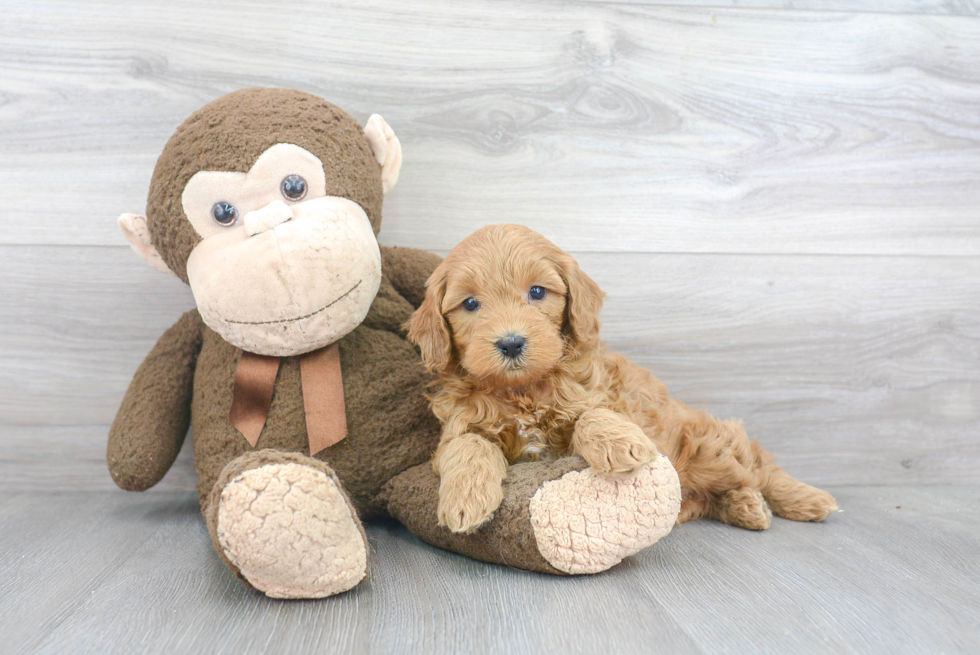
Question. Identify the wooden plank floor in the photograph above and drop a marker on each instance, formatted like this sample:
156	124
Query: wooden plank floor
897	572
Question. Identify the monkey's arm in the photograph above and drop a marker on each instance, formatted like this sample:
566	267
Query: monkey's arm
151	424
408	269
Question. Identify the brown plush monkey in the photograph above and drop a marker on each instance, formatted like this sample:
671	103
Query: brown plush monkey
305	398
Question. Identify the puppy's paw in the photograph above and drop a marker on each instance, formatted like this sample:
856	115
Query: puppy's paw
822	505
472	472
611	444
801	502
745	508
466	503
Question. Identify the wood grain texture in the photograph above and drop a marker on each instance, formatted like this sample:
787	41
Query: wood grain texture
896	572
50	458
626	127
850	369
941	7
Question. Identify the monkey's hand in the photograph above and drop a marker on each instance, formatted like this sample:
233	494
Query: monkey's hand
152	422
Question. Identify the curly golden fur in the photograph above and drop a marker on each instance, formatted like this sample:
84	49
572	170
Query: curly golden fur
554	390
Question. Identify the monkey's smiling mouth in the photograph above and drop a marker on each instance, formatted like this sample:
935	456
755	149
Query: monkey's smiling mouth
300	318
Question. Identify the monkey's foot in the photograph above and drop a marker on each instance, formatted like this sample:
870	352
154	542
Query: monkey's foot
584	522
291	532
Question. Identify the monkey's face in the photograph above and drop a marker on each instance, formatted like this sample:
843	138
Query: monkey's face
268	202
281	265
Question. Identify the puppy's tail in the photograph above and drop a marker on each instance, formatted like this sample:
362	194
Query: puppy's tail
787	496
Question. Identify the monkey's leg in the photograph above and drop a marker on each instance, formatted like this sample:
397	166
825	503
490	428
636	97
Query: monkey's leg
557	517
283	523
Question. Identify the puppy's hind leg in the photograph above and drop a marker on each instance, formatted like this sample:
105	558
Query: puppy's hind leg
694	506
744	508
717	466
787	496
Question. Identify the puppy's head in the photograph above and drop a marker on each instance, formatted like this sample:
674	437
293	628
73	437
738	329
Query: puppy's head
506	305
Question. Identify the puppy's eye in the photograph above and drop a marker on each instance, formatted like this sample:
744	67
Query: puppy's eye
471	304
224	214
537	293
293	187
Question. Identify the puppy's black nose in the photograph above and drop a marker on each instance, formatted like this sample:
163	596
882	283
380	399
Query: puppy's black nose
511	346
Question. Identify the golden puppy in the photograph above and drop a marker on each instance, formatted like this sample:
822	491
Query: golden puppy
511	324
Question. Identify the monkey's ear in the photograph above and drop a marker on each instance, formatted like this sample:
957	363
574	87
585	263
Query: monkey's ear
386	148
137	232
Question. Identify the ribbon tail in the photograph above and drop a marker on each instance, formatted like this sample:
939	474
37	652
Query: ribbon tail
323	397
255	379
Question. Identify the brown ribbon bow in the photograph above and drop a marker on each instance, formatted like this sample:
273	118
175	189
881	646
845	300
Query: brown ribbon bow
323	396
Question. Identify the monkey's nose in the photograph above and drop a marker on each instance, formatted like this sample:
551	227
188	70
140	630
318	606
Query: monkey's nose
511	346
268	217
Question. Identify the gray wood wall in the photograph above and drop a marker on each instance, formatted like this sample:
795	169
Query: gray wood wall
781	198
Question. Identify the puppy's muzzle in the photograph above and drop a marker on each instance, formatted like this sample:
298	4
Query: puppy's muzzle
512	346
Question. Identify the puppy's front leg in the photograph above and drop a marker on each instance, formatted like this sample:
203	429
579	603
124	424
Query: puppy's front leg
472	472
611	443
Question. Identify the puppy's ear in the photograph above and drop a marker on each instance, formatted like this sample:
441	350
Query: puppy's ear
583	303
427	328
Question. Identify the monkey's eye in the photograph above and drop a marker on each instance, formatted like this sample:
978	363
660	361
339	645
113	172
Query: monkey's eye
537	293
224	214
293	187
471	304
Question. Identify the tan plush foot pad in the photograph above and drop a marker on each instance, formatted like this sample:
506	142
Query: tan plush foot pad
290	532
586	523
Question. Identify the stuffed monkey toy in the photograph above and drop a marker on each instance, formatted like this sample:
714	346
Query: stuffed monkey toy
307	402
